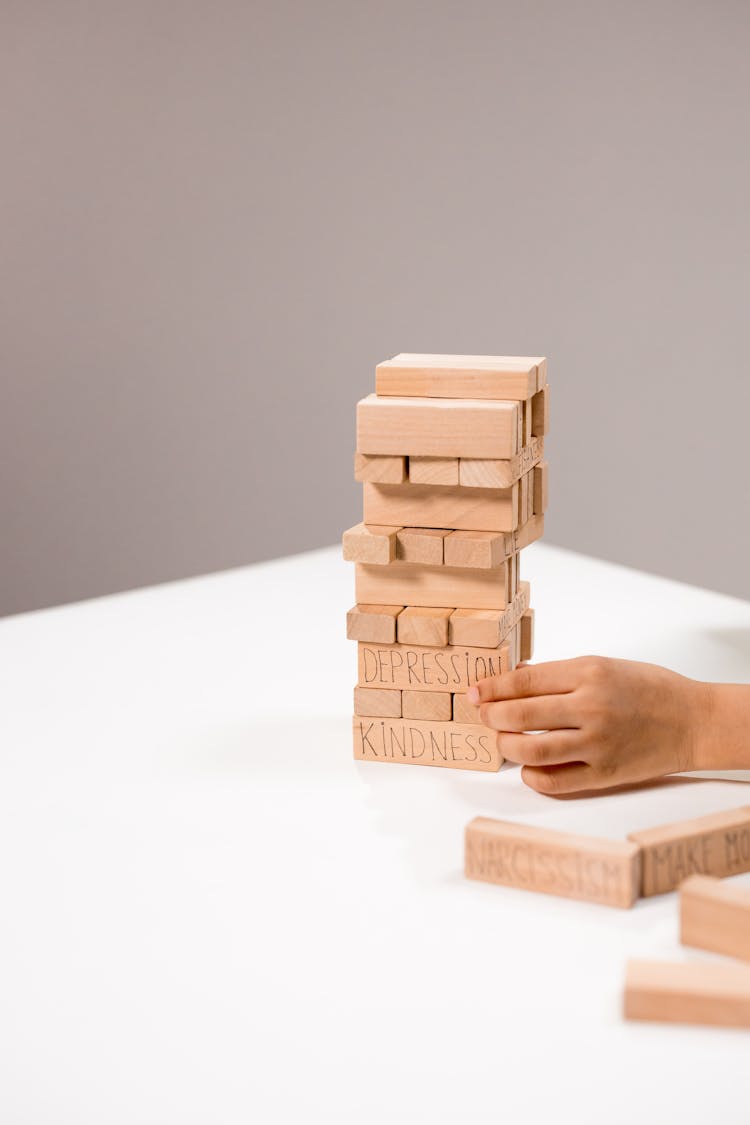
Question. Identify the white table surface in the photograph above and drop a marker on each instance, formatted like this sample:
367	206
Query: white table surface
210	913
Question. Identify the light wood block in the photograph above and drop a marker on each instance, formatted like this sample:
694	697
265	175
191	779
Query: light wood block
715	915
422	668
541	373
381	703
383	470
717	844
483	473
375	624
527	636
459	376
424	505
532	530
482	628
421	545
370	543
527	416
465	712
435	427
433	706
540	412
556	863
478	550
412	584
717	995
423	625
419	743
541	488
433	470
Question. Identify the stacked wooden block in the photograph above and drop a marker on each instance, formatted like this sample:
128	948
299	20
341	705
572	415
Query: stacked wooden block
450	453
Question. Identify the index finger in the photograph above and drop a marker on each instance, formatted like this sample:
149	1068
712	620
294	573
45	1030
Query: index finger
553	678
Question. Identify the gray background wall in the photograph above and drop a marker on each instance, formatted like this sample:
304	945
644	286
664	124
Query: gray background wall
218	216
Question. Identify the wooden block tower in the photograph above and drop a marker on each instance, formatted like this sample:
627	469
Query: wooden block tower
450	452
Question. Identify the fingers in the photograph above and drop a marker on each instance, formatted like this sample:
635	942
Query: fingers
543	712
555	781
539	750
555	677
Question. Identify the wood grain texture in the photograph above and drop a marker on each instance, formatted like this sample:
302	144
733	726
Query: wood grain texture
419	743
373	623
424	668
459	376
715	915
714	994
557	863
434	706
410	584
382	703
433	470
386	470
421	545
423	505
478	550
423	625
423	427
540	412
370	543
483	473
465	712
541	488
527	636
717	844
481	628
532	530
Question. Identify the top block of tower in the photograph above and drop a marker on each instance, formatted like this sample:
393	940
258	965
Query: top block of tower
461	376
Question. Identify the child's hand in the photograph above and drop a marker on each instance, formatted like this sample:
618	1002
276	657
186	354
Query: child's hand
603	722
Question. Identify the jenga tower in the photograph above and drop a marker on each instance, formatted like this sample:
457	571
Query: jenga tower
450	452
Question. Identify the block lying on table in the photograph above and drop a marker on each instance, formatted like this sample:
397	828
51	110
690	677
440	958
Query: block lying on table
373	623
424	505
424	668
715	915
557	863
460	376
388	470
701	992
488	628
423	427
413	585
717	844
418	743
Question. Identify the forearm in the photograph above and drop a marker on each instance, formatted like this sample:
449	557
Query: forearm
723	741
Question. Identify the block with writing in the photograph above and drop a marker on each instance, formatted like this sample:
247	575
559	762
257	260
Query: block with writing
421	668
419	743
717	844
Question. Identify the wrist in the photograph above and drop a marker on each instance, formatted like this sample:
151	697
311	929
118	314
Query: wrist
703	726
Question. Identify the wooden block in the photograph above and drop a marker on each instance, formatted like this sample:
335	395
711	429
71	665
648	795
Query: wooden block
423	625
479	550
541	488
375	624
421	545
433	470
370	543
714	994
483	473
717	844
527	635
482	628
532	530
424	505
540	412
556	863
421	668
465	712
459	376
383	470
437	427
381	703
420	743
541	373
412	584
433	706
527	415
715	915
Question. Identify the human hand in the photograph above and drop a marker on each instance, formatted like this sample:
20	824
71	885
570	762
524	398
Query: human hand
602	722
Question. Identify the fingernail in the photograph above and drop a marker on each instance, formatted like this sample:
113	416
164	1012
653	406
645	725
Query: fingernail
472	695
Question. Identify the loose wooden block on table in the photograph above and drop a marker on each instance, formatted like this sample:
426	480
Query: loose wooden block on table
540	412
425	668
433	470
413	585
541	487
382	703
557	863
370	543
463	711
484	473
435	706
717	844
424	625
424	505
423	427
482	628
419	743
375	624
717	995
527	636
386	470
715	915
460	376
421	545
